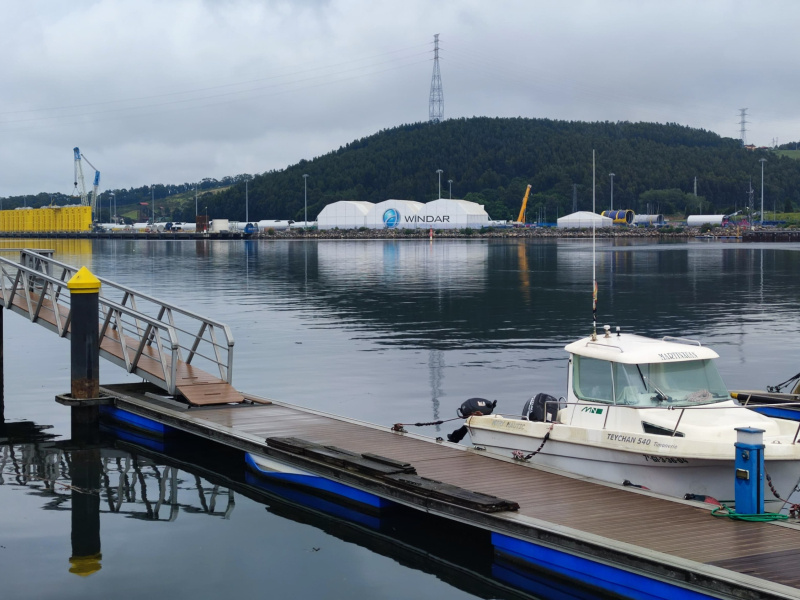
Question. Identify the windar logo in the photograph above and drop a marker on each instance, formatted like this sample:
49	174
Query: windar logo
428	219
391	218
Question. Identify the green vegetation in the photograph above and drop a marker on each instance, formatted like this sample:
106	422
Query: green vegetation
492	160
795	154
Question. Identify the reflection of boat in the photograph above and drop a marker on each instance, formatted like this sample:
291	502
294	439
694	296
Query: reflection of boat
653	412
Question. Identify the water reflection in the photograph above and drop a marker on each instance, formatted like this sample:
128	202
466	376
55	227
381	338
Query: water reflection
164	481
368	329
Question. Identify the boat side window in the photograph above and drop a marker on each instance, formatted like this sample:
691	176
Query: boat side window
591	379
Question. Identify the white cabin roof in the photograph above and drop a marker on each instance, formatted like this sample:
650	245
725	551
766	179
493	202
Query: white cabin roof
637	350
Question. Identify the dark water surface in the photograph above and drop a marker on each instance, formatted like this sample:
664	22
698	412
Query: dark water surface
378	330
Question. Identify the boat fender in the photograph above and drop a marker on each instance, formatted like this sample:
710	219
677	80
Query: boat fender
476	406
473	406
542	408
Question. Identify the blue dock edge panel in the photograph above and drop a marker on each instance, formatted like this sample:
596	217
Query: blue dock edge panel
137	421
777	412
320	483
598	575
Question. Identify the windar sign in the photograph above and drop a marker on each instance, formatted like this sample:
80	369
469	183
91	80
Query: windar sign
438	214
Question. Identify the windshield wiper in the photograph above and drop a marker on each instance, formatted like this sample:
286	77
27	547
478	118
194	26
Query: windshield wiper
661	396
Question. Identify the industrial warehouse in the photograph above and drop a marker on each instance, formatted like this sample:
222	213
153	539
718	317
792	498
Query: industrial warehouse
403	214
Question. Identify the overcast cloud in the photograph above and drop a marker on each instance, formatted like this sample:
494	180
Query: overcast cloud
174	91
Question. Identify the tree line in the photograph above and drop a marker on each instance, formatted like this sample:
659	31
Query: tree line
492	160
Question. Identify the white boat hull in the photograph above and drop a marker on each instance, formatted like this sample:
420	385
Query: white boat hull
668	475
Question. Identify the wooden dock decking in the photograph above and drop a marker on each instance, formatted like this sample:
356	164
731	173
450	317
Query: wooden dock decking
666	539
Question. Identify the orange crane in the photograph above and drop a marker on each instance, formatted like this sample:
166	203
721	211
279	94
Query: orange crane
521	218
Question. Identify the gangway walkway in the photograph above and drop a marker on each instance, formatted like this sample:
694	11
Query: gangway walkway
153	339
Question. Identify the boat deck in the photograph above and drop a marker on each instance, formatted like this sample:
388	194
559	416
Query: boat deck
668	539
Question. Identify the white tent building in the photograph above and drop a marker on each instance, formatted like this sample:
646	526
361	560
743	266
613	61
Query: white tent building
584	219
345	214
403	214
451	214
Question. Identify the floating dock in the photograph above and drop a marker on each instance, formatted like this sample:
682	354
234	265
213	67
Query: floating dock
608	537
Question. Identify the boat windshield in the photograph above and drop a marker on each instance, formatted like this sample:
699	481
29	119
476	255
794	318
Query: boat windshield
687	383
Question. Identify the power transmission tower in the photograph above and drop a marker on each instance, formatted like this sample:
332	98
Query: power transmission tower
436	101
574	197
742	129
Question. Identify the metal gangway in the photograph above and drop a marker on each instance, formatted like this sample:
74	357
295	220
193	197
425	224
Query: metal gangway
155	340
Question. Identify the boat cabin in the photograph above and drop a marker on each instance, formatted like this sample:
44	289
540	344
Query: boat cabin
639	372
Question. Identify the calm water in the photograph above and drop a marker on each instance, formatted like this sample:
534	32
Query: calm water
379	330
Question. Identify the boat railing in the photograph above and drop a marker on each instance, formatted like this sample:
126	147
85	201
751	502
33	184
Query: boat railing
680	340
561	403
605	346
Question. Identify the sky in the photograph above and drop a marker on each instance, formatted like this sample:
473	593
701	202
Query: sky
173	91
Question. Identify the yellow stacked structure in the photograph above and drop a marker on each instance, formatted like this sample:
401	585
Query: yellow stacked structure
51	219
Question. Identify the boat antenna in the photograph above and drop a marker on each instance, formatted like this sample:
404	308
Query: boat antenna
594	268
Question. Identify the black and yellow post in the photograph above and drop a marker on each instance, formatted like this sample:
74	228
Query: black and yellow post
84	401
85	469
84	290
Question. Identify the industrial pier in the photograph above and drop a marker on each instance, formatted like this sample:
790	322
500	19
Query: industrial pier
129	235
605	538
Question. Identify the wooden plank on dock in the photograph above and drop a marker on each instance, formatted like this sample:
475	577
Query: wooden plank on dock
452	493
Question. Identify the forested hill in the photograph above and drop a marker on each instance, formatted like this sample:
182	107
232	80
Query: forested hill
491	160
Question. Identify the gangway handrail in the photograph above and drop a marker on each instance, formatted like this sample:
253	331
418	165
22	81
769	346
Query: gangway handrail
35	286
139	294
130	296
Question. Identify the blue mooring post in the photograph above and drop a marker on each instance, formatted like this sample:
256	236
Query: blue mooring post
749	486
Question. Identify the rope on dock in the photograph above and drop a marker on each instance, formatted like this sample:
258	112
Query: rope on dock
400	426
725	511
518	455
794	509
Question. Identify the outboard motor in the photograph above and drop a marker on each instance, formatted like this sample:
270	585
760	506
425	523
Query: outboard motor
473	406
542	407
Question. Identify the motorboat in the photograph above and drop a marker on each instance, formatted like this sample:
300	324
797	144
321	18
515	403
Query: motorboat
652	413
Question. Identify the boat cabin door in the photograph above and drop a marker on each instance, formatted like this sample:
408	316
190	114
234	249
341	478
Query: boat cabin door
591	385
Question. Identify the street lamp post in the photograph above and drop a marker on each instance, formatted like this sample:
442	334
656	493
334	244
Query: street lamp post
195	203
450	182
153	203
305	199
762	161
113	195
246	204
439	171
612	190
